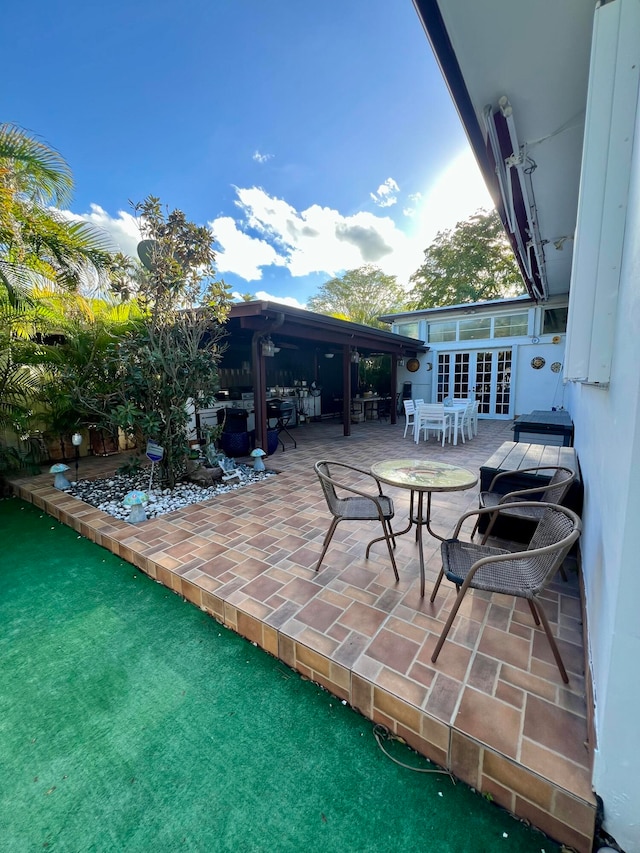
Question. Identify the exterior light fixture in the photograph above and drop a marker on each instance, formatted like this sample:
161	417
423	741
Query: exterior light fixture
268	349
355	357
76	440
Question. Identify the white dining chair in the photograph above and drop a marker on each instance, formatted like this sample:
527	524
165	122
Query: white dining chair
461	423
475	408
409	415
432	417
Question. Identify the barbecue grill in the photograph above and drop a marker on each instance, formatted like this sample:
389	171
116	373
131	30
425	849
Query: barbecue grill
279	414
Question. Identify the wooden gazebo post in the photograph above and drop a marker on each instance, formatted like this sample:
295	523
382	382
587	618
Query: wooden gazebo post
346	390
259	376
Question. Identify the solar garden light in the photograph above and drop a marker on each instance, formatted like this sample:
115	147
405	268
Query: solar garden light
76	440
60	481
258	454
136	500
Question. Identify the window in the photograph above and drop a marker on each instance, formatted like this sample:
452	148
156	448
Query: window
554	321
475	328
409	330
439	332
512	324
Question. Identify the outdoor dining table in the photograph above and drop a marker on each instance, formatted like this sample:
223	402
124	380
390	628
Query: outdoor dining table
455	409
422	476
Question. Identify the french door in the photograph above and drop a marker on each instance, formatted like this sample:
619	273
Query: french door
485	374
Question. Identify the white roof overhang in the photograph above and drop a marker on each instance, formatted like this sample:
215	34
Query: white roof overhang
518	74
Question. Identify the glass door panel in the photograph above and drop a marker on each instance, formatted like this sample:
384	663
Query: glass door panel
461	375
503	382
444	376
484	361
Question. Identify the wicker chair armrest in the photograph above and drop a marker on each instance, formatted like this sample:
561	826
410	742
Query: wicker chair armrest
492	510
472	512
360	492
355	468
375	499
526	554
534	489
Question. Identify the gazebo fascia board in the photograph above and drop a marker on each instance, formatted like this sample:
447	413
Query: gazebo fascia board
299	323
264	318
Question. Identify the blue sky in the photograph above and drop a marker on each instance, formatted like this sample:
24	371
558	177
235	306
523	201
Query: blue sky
312	138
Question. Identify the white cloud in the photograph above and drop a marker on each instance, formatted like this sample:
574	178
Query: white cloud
261	158
268	297
386	194
315	240
415	199
122	229
269	232
239	253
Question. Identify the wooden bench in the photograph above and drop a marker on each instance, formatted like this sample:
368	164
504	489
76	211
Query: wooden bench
516	455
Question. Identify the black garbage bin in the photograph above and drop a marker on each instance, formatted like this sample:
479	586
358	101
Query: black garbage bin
235	439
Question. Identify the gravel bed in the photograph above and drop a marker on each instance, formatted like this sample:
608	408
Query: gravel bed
108	494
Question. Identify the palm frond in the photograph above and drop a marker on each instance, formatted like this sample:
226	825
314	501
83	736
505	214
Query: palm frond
35	170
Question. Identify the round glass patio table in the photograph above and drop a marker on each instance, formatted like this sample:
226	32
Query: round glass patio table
422	476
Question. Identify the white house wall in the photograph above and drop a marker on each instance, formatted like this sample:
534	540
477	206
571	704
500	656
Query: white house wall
530	388
538	389
607	439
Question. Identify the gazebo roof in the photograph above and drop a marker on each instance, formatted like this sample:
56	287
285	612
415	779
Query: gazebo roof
283	321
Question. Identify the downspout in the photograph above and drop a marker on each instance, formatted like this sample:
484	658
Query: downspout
394	388
346	389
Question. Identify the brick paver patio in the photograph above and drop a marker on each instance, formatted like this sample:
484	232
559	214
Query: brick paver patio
493	709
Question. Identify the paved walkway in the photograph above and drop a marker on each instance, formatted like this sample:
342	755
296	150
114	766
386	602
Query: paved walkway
493	709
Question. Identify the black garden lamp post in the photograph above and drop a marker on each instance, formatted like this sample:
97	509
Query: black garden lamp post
76	440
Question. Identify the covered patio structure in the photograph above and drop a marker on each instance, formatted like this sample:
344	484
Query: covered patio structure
297	345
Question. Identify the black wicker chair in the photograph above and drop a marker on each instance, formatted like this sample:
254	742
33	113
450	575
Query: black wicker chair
523	574
349	502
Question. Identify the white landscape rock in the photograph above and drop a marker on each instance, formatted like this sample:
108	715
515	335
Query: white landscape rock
107	495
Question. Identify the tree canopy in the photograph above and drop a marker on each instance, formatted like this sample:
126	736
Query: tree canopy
361	296
36	241
171	354
469	263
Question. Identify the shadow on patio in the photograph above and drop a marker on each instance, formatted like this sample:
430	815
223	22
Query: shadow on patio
493	709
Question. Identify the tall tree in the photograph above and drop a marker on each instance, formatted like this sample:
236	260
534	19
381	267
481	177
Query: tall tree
39	251
171	354
469	263
36	242
360	295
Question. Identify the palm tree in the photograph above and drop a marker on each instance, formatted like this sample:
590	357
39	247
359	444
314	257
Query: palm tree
36	241
41	254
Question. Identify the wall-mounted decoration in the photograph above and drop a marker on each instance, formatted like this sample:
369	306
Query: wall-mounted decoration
537	362
412	365
556	339
556	367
